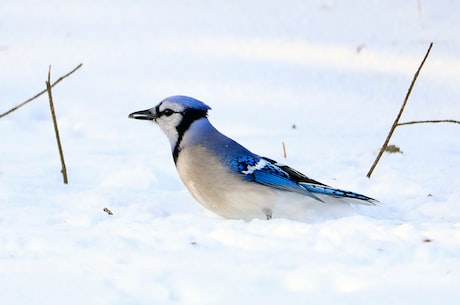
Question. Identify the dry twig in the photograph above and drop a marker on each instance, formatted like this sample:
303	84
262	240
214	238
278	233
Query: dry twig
428	121
56	130
108	211
40	93
395	124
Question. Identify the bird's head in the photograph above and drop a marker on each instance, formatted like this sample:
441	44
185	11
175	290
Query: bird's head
174	115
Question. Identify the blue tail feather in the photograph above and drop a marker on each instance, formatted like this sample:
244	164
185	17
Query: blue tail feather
326	190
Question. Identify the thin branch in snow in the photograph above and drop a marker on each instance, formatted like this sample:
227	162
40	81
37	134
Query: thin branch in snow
108	211
41	92
428	121
395	123
56	130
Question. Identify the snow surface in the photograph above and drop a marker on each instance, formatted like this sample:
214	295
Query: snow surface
337	70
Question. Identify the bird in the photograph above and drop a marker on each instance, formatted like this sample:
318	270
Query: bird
231	181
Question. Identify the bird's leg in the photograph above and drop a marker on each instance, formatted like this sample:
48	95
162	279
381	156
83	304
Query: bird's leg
268	213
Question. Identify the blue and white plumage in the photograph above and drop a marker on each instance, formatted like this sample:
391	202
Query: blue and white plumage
228	179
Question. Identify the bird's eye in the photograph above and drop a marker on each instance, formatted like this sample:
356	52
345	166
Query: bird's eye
167	112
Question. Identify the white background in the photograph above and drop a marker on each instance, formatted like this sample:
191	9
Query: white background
337	70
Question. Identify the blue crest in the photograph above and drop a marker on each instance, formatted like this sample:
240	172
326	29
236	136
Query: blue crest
188	102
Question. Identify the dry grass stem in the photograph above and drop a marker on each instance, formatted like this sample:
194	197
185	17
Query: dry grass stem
428	121
56	130
395	123
284	150
40	93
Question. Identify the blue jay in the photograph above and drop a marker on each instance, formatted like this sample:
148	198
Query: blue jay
227	178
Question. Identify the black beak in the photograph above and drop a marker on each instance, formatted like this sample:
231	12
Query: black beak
143	115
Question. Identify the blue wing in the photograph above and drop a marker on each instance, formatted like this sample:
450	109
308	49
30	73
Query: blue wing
268	172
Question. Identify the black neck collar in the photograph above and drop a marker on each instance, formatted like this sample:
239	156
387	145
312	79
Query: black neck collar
189	116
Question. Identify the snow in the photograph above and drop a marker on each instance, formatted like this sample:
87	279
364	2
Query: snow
337	70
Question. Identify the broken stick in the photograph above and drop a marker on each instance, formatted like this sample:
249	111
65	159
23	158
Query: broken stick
395	124
41	92
56	130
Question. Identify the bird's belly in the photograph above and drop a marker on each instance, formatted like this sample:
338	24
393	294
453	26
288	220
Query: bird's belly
219	190
228	195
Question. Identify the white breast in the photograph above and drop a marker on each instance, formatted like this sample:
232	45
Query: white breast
226	194
220	191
